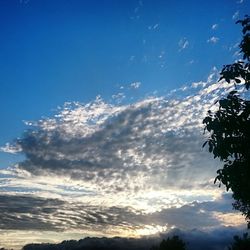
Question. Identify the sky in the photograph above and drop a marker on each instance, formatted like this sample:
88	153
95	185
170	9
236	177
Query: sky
102	105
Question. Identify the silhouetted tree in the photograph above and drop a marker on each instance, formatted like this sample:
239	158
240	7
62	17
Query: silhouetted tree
174	243
229	128
240	243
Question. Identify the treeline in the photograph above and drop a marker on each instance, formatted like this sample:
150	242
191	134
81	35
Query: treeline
88	243
170	243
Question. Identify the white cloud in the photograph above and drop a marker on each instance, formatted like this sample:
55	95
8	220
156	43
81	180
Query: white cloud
118	166
119	97
162	54
237	54
135	85
191	62
214	26
125	148
213	40
12	149
153	27
183	44
236	15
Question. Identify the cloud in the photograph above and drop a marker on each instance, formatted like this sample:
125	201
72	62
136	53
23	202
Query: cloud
153	144
119	97
202	215
162	54
153	27
236	15
191	62
135	85
10	149
213	40
36	213
26	212
118	148
214	26
237	54
107	169
183	44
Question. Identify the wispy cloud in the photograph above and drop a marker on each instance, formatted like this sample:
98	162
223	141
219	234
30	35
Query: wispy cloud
213	40
135	85
214	26
236	15
118	97
8	148
153	27
36	213
183	44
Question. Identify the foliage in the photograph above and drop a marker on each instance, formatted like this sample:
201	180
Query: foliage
174	243
229	129
240	243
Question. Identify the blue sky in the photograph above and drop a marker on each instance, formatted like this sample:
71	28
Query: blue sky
58	51
137	78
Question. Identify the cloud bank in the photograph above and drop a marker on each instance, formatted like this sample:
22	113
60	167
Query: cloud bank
22	212
118	169
154	142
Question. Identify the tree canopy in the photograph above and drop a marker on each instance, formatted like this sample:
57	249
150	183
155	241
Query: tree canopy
240	243
229	128
173	243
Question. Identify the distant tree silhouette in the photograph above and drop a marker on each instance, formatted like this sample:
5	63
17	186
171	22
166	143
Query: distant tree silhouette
174	243
229	128
240	243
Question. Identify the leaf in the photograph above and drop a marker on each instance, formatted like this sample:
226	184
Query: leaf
204	144
210	149
233	92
